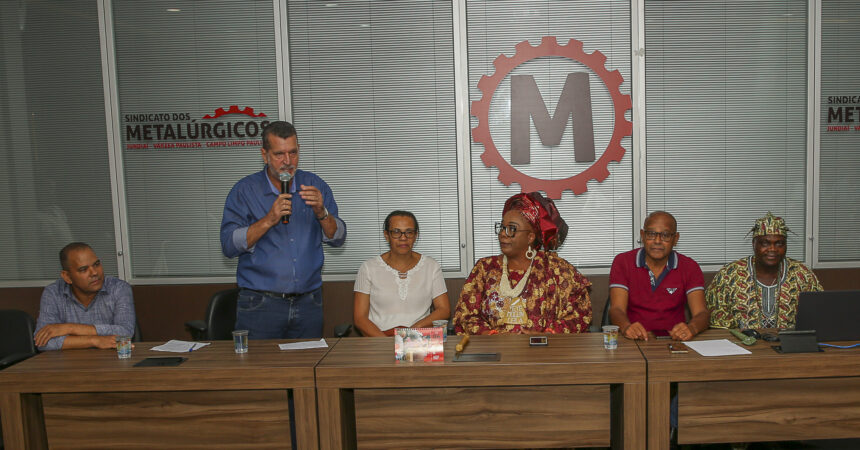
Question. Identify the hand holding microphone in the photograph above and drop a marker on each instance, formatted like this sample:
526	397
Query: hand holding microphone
285	178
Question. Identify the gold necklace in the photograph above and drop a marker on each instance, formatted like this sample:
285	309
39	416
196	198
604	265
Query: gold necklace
514	309
505	288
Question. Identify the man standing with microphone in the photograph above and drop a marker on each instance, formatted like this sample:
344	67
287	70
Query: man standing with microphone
275	221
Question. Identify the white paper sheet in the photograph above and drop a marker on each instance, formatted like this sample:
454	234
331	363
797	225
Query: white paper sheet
717	347
180	346
303	345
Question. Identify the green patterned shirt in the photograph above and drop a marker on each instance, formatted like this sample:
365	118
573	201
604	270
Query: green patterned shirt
734	297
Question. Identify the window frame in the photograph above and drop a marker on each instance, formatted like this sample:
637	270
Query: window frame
463	140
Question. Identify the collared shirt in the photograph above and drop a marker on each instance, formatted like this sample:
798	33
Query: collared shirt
671	263
656	302
110	312
288	258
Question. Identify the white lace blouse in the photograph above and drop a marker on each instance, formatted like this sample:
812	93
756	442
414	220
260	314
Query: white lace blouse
395	302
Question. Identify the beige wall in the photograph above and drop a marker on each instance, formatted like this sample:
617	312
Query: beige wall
163	310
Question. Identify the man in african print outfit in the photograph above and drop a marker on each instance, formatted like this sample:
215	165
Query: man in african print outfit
761	290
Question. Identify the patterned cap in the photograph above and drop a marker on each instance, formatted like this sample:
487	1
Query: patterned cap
769	224
542	215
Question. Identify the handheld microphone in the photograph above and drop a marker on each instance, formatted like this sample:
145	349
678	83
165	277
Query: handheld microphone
285	188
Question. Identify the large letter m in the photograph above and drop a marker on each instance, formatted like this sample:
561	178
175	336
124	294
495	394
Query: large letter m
526	102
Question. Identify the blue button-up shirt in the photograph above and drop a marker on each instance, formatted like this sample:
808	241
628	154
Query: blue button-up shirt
289	257
110	312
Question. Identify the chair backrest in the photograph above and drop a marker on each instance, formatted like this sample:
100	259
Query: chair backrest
596	326
221	315
605	319
137	337
16	332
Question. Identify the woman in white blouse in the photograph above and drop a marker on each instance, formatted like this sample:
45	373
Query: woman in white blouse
400	288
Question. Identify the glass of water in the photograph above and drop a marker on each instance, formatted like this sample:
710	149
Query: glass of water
240	341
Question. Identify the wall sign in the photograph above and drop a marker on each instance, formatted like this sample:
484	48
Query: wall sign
843	113
231	127
574	100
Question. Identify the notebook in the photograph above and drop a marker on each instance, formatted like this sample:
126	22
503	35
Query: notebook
832	314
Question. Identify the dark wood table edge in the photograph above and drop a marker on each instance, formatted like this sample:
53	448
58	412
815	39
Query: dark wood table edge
23	420
662	372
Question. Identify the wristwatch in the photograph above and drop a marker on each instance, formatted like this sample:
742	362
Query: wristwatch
324	215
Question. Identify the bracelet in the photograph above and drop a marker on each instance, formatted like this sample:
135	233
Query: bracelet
324	215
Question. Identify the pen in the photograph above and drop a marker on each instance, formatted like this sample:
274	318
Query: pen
192	347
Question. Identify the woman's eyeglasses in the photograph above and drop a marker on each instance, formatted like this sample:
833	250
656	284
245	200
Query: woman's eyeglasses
510	229
396	233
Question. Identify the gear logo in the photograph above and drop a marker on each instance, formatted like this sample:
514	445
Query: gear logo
596	63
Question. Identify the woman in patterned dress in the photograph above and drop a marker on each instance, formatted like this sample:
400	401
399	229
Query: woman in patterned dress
528	288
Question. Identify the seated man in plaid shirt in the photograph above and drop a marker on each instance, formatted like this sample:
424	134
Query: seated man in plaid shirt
83	308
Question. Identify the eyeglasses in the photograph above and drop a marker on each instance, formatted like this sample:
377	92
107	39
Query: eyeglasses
510	230
652	235
396	233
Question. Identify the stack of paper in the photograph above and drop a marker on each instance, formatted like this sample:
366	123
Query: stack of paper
303	345
717	347
180	346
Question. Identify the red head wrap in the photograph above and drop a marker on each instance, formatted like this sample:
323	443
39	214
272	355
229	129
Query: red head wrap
543	216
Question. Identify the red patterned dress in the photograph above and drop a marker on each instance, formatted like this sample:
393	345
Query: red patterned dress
556	298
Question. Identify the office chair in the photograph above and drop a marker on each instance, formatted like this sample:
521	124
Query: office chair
16	340
342	330
220	318
137	337
605	319
597	327
16	337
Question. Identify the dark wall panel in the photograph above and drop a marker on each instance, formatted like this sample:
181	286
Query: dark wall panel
163	309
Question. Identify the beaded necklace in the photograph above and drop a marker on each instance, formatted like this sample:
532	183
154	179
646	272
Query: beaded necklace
514	310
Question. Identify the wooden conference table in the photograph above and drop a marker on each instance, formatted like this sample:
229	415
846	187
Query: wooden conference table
215	399
569	393
765	396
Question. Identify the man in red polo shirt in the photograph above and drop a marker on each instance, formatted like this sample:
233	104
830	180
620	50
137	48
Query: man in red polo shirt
649	286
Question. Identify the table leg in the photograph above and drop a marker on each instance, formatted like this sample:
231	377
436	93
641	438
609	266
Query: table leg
307	435
659	397
23	422
336	418
628	416
635	422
